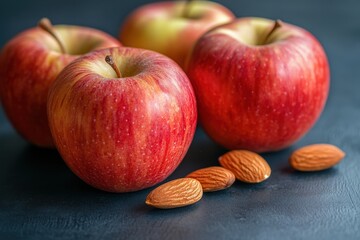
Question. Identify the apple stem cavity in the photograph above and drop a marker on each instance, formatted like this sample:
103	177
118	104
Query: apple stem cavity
109	59
185	13
277	24
46	25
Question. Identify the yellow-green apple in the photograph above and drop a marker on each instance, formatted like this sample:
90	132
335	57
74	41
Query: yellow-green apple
30	62
260	85
125	129
172	27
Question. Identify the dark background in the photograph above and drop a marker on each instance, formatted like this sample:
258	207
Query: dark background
41	199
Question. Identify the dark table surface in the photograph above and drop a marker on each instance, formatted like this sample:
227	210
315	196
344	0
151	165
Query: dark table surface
41	199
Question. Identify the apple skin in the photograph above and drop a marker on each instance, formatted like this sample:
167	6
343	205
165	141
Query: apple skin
162	28
29	63
128	133
255	96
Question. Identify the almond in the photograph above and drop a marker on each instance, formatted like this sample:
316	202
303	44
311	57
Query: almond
213	178
176	193
247	166
316	157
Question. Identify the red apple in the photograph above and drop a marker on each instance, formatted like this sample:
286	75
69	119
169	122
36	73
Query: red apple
260	85
30	62
172	27
127	131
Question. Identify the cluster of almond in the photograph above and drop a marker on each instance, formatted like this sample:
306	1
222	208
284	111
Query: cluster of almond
245	166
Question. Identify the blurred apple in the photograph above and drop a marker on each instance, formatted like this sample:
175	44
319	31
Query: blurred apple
172	27
126	128
30	62
260	84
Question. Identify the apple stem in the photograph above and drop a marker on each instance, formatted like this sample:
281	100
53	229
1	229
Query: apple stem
46	25
109	59
277	24
186	10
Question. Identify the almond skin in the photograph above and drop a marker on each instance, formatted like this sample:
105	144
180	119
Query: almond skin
213	178
316	157
176	193
247	166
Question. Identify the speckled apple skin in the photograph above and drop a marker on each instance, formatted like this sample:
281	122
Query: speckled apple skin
122	134
29	63
258	97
